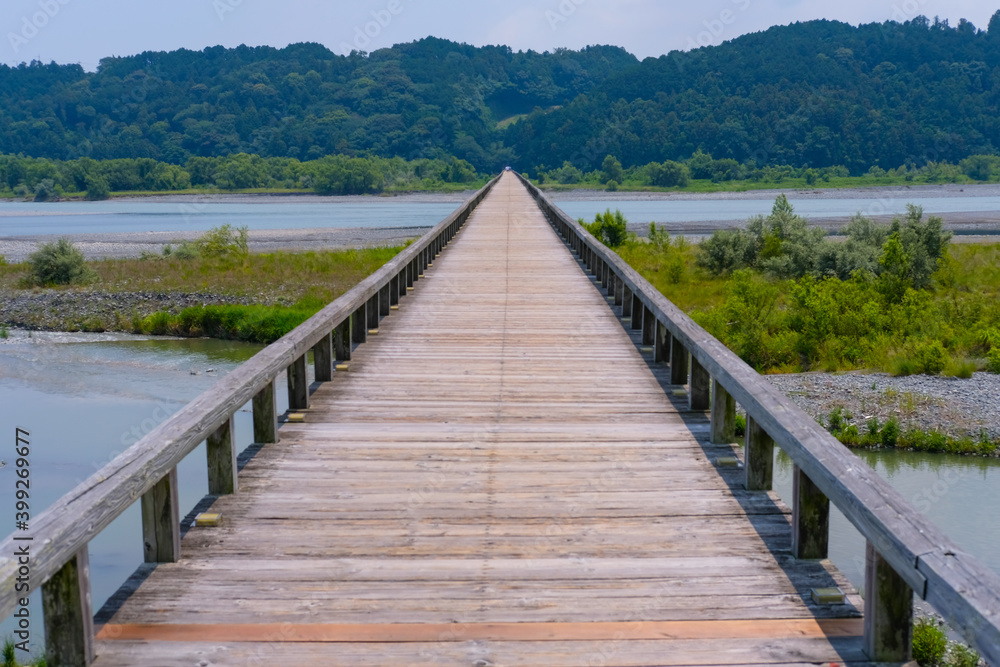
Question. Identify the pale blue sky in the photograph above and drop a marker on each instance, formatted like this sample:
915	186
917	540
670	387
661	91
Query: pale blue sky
83	31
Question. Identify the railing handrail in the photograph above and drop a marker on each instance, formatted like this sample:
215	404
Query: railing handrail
963	590
76	518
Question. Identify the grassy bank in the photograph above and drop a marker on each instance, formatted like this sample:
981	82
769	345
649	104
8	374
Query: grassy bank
794	325
278	291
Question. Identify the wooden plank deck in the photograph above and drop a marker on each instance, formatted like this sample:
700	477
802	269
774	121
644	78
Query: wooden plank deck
500	479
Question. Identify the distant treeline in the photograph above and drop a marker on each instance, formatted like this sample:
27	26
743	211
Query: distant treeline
702	166
43	179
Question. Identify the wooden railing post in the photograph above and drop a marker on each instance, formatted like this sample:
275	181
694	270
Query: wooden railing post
161	521
619	292
401	285
678	362
265	415
342	340
323	358
612	285
626	302
385	300
700	386
298	385
410	277
373	312
661	345
810	518
888	611
359	324
758	458
648	327
723	415
68	614
223	477
394	291
605	275
637	312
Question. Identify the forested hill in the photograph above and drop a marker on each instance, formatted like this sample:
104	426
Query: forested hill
818	94
813	94
422	99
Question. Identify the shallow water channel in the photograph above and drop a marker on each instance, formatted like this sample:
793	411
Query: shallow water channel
84	398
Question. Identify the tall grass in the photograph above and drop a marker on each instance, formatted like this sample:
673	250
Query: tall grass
953	327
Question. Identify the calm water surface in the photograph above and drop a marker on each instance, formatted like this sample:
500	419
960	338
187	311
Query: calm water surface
23	218
86	397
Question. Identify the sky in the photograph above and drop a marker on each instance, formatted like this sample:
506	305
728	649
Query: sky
84	31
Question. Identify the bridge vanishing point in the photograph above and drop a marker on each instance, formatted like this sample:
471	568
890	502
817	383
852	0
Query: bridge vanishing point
501	459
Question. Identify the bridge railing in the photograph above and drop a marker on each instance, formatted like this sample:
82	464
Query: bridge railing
58	538
905	553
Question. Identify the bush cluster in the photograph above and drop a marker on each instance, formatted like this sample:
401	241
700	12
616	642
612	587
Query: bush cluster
59	263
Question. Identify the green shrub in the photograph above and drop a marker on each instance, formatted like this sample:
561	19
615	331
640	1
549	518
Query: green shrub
835	421
851	436
611	186
9	659
59	263
889	436
960	368
993	359
932	358
960	655
224	241
929	643
609	228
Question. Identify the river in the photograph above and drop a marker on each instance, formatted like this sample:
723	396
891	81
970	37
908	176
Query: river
307	212
85	397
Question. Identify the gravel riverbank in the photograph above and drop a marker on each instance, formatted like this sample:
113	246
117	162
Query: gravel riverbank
67	310
952	406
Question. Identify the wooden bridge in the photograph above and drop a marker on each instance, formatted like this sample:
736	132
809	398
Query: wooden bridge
513	464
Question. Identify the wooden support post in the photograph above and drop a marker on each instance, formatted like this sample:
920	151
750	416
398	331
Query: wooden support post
323	358
394	291
678	362
161	521
606	278
265	415
626	302
637	312
723	415
888	611
68	614
612	283
699	386
384	298
810	518
342	340
661	346
401	286
619	292
373	311
223	477
359	324
758	457
409	274
648	327
298	385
